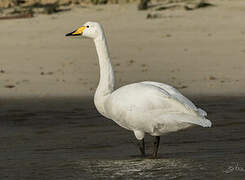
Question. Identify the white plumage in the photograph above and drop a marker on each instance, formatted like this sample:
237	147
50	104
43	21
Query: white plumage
154	108
144	107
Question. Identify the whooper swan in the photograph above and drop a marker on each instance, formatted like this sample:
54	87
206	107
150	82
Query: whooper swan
144	107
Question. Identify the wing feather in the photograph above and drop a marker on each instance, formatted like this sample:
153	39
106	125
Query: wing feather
175	94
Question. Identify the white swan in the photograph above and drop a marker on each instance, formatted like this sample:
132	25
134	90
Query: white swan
144	107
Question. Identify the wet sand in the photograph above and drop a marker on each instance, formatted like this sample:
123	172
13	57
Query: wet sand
66	138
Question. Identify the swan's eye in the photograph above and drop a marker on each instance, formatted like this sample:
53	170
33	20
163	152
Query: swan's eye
87	26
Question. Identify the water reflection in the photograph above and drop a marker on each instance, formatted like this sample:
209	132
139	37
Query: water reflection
135	168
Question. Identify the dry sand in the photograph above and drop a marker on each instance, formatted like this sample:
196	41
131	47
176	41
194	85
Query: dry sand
200	52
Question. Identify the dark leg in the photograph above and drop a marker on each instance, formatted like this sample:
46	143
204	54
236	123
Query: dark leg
141	144
155	146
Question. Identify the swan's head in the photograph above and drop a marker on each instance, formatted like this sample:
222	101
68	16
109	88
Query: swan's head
91	30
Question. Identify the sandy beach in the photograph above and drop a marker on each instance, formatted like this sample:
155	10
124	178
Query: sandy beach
50	129
200	52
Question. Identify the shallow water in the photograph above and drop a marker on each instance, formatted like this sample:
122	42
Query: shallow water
65	138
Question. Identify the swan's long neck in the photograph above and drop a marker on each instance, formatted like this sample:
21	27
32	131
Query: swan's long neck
106	83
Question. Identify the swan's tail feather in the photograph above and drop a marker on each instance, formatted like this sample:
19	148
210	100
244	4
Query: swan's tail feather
201	112
178	118
177	121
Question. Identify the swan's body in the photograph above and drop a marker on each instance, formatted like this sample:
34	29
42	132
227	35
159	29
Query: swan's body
144	107
153	108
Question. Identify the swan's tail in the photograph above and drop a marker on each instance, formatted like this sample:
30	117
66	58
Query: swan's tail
172	122
201	112
197	120
182	118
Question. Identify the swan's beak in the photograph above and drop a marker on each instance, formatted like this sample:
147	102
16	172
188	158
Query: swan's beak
77	32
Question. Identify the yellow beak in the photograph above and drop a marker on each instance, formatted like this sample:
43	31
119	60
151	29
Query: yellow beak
77	32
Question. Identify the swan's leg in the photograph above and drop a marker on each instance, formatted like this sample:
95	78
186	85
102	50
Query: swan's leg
155	146
141	144
140	137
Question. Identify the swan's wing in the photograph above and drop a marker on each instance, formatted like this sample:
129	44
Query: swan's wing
139	99
175	94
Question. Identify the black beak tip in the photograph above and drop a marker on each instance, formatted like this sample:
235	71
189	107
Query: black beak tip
69	34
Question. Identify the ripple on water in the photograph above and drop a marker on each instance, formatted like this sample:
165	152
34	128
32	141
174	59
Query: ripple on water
135	168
